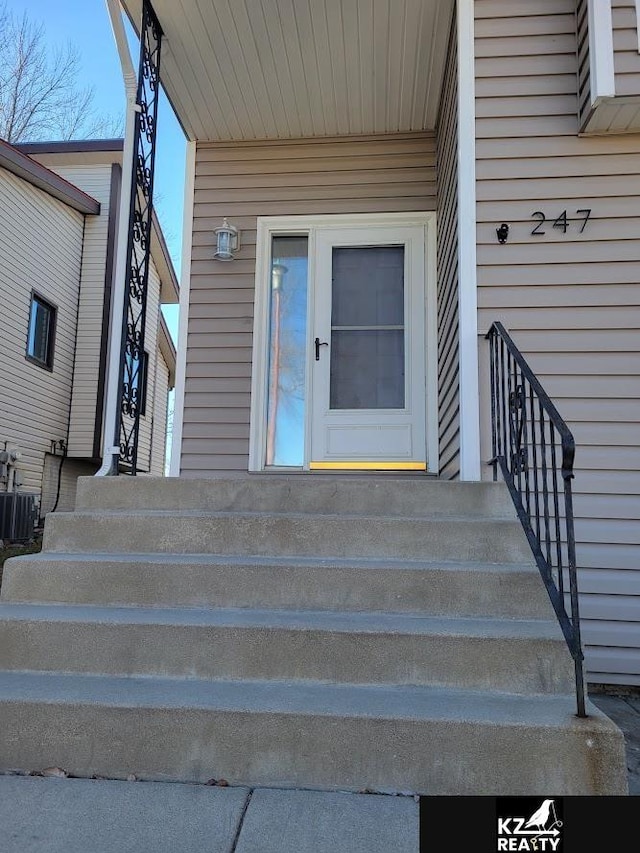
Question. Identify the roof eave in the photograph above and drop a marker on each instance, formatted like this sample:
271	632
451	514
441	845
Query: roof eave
39	176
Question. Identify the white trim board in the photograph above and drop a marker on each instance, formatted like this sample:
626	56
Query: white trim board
467	269
183	322
269	226
602	70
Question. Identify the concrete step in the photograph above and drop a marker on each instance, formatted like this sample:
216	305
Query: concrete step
438	588
519	656
319	493
338	737
292	534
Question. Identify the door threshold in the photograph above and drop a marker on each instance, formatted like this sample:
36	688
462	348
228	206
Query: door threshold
341	472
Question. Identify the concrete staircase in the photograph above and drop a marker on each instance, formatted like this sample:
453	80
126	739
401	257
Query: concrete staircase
356	633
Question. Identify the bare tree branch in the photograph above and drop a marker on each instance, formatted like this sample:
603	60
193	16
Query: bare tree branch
40	93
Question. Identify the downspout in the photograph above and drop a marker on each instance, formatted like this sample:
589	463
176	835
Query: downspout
111	402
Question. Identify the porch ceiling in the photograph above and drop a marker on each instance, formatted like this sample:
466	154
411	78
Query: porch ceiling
277	69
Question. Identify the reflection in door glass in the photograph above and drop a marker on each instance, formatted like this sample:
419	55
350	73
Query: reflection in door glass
287	349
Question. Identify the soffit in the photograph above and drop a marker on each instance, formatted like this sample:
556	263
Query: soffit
278	69
619	114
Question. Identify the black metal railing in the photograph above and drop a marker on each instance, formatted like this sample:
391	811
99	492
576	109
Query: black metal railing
534	450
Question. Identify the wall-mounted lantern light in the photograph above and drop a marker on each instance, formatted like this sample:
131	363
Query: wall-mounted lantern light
277	274
227	242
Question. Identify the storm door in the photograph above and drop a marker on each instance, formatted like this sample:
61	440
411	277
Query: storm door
368	355
341	351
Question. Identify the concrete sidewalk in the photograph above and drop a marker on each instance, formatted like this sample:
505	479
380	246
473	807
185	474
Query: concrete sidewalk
50	815
623	707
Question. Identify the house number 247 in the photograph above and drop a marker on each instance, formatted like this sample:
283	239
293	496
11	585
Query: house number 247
562	222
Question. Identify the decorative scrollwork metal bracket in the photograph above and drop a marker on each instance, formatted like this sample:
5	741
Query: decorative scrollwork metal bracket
130	392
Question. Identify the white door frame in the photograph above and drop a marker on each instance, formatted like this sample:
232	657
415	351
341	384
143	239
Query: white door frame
270	226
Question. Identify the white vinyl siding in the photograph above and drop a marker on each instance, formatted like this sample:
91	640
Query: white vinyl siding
242	181
96	181
571	301
448	326
41	250
626	56
147	426
160	401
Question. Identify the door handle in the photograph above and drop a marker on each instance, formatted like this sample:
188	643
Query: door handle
319	344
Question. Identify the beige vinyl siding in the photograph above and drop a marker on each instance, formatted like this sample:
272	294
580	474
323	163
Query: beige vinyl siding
96	181
160	400
246	180
571	301
626	58
41	250
448	347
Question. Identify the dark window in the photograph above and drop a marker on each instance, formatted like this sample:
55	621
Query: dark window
42	327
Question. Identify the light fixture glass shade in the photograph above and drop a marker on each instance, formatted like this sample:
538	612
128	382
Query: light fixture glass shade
227	241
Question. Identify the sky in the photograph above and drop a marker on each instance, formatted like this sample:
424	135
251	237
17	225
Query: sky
86	24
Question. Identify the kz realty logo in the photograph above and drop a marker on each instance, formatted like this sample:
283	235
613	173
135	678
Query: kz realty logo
529	824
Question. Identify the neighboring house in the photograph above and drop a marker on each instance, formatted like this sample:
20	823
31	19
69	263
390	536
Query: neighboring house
58	230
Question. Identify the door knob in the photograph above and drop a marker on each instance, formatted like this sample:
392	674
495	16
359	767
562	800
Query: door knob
319	344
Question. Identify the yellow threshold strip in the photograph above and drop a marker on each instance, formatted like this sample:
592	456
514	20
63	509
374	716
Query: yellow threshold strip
368	466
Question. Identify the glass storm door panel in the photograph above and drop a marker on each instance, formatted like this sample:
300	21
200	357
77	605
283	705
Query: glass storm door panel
287	352
367	328
368	379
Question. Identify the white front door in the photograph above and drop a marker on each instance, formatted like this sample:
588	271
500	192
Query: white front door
368	404
345	343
